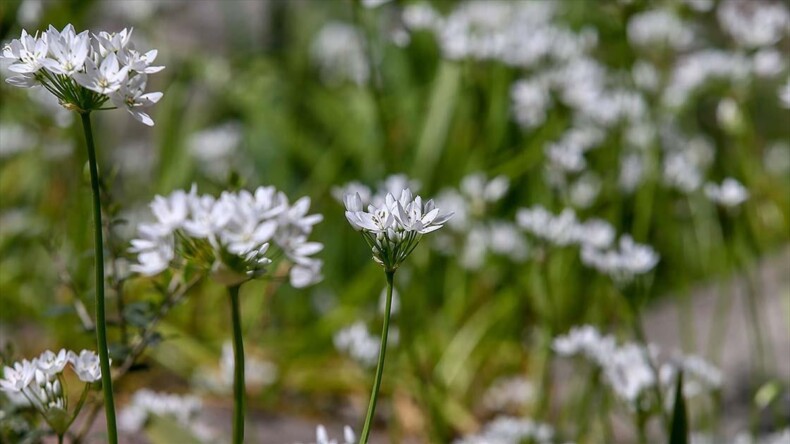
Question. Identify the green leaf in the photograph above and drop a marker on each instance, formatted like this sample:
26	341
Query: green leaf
679	431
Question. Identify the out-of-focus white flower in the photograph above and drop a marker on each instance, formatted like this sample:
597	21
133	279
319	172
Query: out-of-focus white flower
784	94
358	343
508	393
420	16
622	264
754	24
584	191
322	437
531	101
559	230
729	115
371	4
16	138
216	147
85	365
776	159
632	170
146	403
695	69
729	194
395	228
645	75
339	52
659	27
510	430
768	62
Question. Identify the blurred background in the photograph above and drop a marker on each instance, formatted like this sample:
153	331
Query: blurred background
669	120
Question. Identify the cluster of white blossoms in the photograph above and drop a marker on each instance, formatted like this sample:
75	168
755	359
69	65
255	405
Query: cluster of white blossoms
339	53
85	70
322	437
473	233
235	236
148	403
729	194
39	382
357	342
624	263
509	394
628	368
511	430
565	229
394	228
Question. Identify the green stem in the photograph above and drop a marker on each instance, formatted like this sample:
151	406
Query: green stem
101	325
380	367
238	367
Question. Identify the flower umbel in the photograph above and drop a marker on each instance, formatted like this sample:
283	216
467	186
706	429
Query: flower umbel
84	71
394	228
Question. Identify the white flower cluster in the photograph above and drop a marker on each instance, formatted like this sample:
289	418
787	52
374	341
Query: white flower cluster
659	27
339	53
357	342
754	24
230	235
510	430
85	70
38	382
564	229
215	148
626	368
623	263
472	233
511	393
392	184
515	33
322	437
729	194
394	228
147	403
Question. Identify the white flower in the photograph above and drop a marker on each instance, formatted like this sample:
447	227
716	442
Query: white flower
754	24
106	78
85	365
339	52
18	377
531	100
510	430
784	94
509	393
28	53
51	363
105	43
371	4
395	228
145	403
130	95
357	342
69	49
322	437
139	63
729	194
659	27
559	230
623	264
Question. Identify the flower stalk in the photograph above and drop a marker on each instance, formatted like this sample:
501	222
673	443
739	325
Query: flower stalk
238	367
101	324
374	394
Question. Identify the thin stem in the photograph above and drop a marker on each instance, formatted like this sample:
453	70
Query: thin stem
238	367
380	367
60	438
101	325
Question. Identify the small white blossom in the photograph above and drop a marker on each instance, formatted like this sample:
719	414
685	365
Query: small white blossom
624	263
85	365
51	363
510	430
322	437
69	49
729	194
18	377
